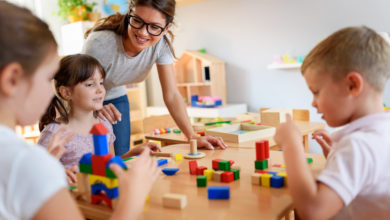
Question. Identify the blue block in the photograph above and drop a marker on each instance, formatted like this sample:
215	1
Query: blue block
86	159
277	181
118	160
100	144
170	171
218	192
111	193
272	173
162	162
194	98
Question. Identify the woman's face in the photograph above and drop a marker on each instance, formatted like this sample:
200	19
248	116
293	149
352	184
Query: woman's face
140	38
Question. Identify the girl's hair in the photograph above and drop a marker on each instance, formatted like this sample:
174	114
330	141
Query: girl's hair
24	38
119	23
73	70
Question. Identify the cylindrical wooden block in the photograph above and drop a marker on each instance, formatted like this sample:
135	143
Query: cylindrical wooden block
193	147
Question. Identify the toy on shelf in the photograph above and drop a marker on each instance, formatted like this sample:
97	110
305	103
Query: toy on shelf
194	154
385	107
205	101
161	131
286	62
238	133
96	179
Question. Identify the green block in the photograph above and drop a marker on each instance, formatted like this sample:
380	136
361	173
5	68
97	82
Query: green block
224	165
309	160
261	164
109	173
236	174
176	131
85	168
71	188
129	158
201	181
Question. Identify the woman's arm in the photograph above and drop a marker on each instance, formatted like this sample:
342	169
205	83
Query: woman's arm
176	107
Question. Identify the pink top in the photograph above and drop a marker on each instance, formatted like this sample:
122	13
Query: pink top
78	146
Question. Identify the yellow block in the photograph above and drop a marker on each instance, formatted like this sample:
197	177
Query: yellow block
109	182
147	198
266	180
178	157
284	175
209	174
283	166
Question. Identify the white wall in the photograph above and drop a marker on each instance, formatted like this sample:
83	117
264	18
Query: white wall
247	34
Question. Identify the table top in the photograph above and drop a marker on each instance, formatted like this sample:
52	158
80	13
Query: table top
246	201
304	127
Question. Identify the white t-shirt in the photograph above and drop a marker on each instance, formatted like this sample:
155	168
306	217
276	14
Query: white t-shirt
122	69
29	176
358	168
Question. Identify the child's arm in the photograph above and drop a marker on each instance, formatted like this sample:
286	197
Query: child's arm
313	200
322	137
134	185
140	148
55	143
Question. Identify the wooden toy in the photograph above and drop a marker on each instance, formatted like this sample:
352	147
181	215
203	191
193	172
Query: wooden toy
261	164
201	181
161	154
227	177
235	167
194	154
238	133
215	163
170	171
224	165
218	192
200	170
178	157
172	200
217	175
161	162
256	179
193	165
274	116
236	174
209	173
277	181
266	180
284	175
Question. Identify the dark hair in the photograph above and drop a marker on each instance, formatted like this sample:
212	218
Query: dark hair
119	23
24	38
73	69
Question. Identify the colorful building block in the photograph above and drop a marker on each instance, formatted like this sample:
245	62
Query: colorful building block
261	164
161	162
109	182
170	171
200	170
261	171
177	201
85	168
99	164
236	174
100	144
117	160
224	165
193	165
178	157
209	174
86	159
217	175
227	177
277	181
260	150
201	181
284	175
256	179
215	163
218	192
235	167
272	173
99	187
96	199
266	150
309	160
266	180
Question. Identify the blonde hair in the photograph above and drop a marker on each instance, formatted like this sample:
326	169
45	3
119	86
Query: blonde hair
358	49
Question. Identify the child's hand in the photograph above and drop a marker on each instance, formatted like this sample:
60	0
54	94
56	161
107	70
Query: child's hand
322	137
140	148
56	147
71	175
110	113
153	146
135	184
287	133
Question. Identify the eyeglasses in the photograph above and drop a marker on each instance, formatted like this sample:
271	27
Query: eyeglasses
152	29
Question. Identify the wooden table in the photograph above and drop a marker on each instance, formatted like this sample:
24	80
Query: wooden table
246	201
304	127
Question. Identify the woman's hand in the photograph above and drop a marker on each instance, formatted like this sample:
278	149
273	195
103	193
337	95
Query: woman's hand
110	113
56	147
209	142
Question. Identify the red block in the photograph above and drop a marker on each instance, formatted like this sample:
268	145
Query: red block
199	170
99	129
215	163
201	133
96	199
276	165
266	149
99	164
193	165
260	150
231	162
227	177
261	171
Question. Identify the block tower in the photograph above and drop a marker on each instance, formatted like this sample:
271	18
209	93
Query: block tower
262	155
95	177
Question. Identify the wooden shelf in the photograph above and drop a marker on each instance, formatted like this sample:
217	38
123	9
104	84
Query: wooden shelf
284	66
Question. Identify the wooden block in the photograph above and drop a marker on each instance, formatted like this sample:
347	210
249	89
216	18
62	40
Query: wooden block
215	164
256	179
161	154
227	177
193	165
235	167
209	174
193	146
99	164
266	180
274	116
178	157
260	150
224	165
109	182
200	170
284	175
217	175
201	181
83	183
177	201
238	133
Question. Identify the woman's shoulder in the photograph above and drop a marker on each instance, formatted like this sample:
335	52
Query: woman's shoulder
104	36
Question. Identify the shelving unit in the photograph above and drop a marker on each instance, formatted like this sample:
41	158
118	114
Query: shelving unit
29	133
187	2
136	94
200	74
284	66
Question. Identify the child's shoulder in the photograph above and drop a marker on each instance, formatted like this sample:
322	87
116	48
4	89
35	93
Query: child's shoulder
52	127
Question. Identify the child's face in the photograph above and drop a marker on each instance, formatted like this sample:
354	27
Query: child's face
89	95
330	98
36	92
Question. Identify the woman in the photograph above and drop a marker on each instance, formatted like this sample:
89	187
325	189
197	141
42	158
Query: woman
127	46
